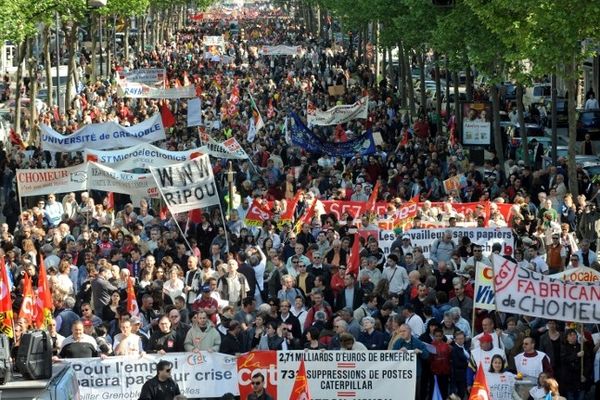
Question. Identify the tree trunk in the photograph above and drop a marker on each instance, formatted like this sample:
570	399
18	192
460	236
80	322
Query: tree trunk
48	65
522	128
456	95
469	83
498	143
108	47
438	92
33	91
126	41
71	35
421	58
571	83
401	76
360	46
94	32
22	52
447	75
411	87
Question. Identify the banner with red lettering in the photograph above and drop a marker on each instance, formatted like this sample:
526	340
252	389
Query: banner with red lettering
522	291
37	182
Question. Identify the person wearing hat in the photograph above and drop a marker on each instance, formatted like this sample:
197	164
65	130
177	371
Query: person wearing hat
162	386
207	304
482	355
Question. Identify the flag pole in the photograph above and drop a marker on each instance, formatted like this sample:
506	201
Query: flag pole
224	226
182	233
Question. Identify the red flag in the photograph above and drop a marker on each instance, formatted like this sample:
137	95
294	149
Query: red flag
354	259
415	199
480	389
6	310
132	304
370	206
168	119
26	311
270	109
300	390
288	215
110	201
43	304
162	214
305	219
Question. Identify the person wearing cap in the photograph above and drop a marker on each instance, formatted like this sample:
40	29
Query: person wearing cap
482	355
207	304
162	386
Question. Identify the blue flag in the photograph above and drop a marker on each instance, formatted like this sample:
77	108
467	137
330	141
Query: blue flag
437	395
302	136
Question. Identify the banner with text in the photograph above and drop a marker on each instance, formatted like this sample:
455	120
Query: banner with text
37	182
107	135
148	76
522	291
199	375
579	274
338	114
280	50
107	179
358	375
141	156
485	237
484	287
141	90
188	185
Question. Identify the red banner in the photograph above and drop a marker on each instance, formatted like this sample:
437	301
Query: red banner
249	364
258	212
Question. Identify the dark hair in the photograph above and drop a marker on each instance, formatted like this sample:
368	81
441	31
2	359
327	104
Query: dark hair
492	363
162	365
314	333
248	301
259	375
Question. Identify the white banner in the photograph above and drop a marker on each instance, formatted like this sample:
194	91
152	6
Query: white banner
140	90
107	135
477	132
485	237
140	156
194	112
37	182
484	287
149	76
228	149
338	114
357	375
522	291
280	50
579	274
209	41
502	386
188	185
107	179
199	375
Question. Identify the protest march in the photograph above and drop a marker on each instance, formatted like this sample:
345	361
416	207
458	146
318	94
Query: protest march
247	204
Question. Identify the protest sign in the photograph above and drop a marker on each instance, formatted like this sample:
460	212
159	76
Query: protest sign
105	178
333	374
336	90
280	50
456	182
477	127
484	287
188	185
141	90
502	386
258	213
228	149
199	375
485	237
107	135
149	76
210	41
141	156
579	274
338	114
522	291
302	136
37	182
194	112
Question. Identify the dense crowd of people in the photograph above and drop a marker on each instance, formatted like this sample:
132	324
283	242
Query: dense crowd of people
202	286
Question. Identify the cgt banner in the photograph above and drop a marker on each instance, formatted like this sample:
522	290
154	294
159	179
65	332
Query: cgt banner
188	185
338	114
332	374
485	237
525	292
37	182
199	375
143	155
107	179
107	135
484	287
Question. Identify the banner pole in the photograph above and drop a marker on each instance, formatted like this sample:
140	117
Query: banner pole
224	227
182	233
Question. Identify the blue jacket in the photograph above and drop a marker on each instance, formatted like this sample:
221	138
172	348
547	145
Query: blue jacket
414	344
377	340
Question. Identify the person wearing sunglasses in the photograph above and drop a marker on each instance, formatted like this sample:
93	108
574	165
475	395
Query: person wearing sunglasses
162	386
258	388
